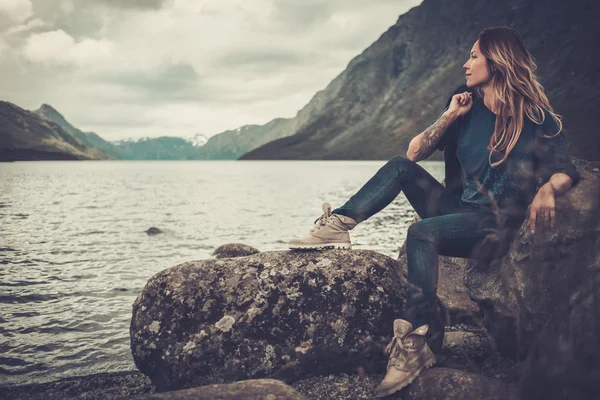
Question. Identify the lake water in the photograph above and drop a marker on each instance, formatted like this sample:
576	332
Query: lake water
74	254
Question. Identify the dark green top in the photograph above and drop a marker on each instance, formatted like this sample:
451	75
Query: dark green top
511	185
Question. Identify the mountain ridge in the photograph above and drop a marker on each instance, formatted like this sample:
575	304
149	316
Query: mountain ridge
396	87
227	145
25	135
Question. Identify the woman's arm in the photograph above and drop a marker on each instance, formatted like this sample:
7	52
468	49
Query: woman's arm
543	209
424	144
558	183
553	162
556	174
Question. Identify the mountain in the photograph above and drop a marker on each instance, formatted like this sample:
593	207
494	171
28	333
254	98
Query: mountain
89	139
231	144
197	140
25	135
227	145
160	148
399	85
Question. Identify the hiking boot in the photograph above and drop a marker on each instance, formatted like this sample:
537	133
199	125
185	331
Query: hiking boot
330	231
409	355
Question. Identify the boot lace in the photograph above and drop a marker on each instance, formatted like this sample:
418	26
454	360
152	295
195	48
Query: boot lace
397	350
324	219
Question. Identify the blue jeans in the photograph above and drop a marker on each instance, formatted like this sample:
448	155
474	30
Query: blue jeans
448	226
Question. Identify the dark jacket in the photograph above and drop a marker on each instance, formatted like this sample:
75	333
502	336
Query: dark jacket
550	155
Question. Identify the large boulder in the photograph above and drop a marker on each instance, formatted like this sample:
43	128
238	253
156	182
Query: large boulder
521	291
274	314
258	389
565	360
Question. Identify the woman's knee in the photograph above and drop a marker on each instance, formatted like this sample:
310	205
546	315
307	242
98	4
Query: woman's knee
402	164
421	230
399	160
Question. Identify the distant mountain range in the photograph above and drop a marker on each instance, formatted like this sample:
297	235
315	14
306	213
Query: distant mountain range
46	134
160	148
387	95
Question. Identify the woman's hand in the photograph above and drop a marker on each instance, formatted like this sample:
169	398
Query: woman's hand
542	211
461	104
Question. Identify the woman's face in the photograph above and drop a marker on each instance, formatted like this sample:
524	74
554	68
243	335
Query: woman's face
476	68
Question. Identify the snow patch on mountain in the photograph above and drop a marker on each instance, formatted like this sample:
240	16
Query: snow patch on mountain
197	140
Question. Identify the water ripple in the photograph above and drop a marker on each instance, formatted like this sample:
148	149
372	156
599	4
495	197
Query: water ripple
75	252
28	298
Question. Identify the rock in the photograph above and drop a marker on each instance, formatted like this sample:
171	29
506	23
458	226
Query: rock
153	231
105	385
472	349
452	384
565	360
234	250
275	315
519	292
339	387
468	345
453	293
259	389
451	290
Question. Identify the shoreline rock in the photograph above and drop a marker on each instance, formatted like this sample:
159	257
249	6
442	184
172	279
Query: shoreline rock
114	385
277	315
268	389
461	352
230	250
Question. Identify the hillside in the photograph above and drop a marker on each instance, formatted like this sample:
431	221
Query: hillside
88	139
399	85
25	135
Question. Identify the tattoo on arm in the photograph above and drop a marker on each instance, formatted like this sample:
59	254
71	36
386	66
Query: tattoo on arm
432	135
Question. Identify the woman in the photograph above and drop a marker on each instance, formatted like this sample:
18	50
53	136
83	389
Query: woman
501	142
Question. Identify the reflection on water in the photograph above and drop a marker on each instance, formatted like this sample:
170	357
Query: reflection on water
74	253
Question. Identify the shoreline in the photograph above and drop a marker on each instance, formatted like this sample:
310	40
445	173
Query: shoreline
360	385
114	385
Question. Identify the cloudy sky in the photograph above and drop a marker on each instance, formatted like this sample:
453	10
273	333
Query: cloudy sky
134	68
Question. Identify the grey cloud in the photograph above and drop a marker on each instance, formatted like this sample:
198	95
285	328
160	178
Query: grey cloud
100	123
105	100
302	15
297	16
139	4
81	22
259	60
172	80
178	83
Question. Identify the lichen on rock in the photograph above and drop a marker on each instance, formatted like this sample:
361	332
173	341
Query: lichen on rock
269	315
225	323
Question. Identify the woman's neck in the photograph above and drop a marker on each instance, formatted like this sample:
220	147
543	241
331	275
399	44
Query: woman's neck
488	98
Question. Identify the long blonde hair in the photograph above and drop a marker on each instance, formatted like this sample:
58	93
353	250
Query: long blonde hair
517	90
